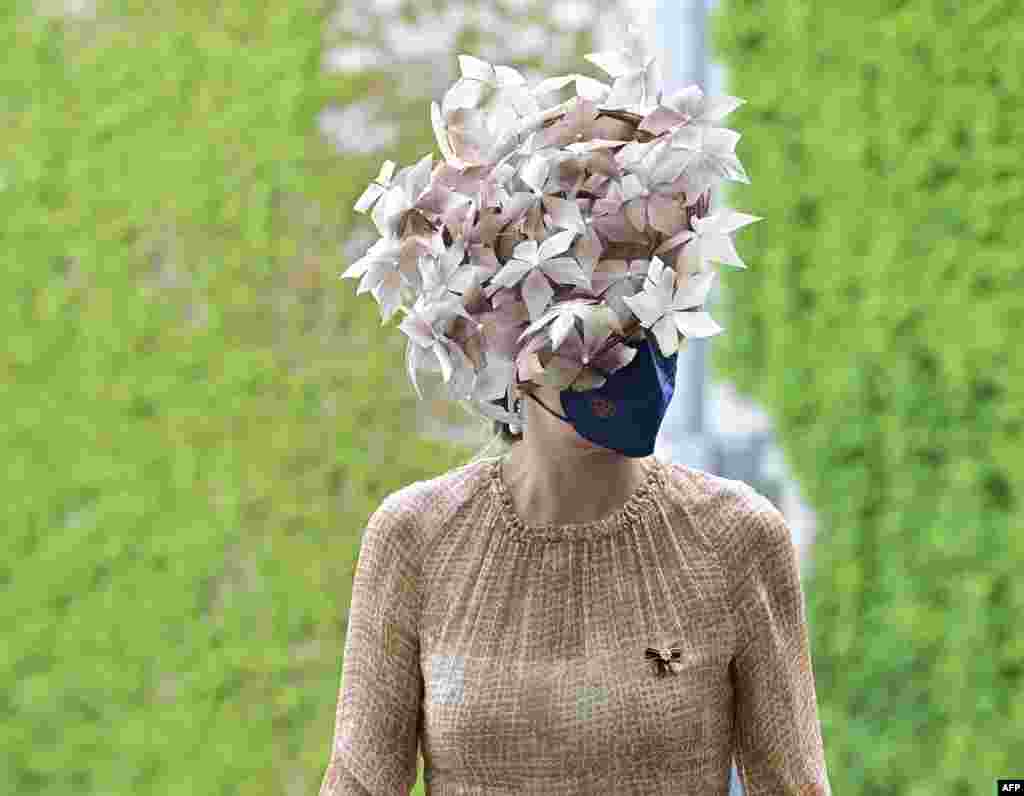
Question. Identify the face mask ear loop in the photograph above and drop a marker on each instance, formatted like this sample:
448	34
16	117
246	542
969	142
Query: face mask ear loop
516	427
548	409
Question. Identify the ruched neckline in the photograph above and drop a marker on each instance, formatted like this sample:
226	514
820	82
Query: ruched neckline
639	502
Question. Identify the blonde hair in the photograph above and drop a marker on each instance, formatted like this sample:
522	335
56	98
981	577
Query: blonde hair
501	433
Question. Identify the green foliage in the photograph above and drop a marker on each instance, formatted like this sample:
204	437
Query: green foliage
881	150
199	417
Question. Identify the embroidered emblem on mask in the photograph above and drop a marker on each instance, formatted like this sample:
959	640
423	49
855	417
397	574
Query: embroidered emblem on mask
447	679
602	407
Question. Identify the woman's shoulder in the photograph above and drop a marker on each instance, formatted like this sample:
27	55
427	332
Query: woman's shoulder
710	494
736	519
427	505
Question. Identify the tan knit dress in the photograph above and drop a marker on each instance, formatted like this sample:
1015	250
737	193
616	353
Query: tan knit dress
514	658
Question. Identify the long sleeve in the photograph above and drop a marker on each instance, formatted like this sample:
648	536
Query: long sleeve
378	711
778	744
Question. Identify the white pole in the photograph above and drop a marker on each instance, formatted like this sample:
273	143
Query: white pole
679	31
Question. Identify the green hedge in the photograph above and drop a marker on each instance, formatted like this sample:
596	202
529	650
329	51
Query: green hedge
199	416
879	323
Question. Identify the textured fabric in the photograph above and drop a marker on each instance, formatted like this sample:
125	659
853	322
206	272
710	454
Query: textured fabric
513	657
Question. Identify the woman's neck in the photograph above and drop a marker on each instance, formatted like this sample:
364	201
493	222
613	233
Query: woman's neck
572	487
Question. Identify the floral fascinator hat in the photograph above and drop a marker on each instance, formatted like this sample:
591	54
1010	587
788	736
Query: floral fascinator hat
551	234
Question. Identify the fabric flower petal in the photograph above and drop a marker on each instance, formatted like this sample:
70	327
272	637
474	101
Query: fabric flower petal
526	251
675	240
441	352
615	358
537	293
693	291
666	214
667	335
646	306
555	244
662	119
475	68
696	324
560	372
565	214
561	327
565	270
511	273
636	212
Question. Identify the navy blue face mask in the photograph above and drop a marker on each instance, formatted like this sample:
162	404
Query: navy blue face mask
625	413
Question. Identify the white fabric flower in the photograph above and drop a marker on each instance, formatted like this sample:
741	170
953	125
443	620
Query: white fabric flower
637	78
663	306
710	241
421	325
526	201
538	264
689	106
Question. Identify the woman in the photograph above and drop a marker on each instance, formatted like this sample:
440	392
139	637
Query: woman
567	619
576	617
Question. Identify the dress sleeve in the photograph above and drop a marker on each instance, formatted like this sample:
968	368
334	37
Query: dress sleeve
778	745
377	720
